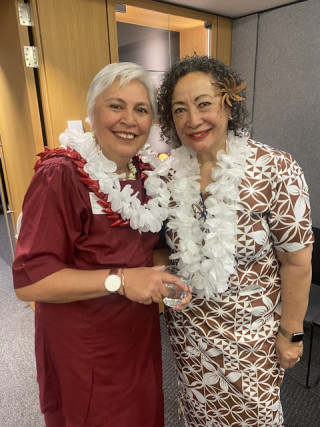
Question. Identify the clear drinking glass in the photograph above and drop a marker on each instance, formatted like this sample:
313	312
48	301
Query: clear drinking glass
176	294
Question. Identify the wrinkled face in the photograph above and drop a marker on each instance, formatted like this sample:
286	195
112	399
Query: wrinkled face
201	121
121	120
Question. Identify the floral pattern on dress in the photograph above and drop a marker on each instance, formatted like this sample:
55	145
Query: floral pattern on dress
224	347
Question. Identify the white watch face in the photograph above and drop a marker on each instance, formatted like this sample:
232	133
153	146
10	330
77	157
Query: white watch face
112	283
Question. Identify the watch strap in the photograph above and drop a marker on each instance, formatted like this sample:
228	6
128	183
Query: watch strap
295	337
122	281
113	271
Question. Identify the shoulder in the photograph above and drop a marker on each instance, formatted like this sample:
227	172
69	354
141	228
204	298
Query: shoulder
264	149
56	165
55	182
279	166
271	156
55	174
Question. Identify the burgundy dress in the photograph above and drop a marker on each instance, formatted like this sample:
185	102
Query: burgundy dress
99	360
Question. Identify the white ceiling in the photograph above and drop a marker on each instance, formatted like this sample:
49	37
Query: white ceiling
231	8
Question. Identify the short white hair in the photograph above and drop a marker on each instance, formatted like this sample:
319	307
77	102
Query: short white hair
125	72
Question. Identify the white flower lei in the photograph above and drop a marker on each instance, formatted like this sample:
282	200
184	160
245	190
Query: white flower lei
147	217
207	248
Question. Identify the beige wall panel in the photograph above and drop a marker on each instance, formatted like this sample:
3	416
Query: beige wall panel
224	39
73	41
16	119
193	40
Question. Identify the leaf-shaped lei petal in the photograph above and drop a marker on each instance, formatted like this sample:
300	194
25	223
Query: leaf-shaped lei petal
207	249
230	90
121	205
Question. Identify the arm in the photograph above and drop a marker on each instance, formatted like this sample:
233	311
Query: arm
55	208
144	285
66	285
290	226
295	273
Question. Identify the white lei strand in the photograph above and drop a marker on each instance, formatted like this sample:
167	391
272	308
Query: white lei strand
207	248
148	217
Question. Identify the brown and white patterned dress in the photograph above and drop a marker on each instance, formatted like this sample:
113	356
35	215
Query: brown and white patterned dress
224	347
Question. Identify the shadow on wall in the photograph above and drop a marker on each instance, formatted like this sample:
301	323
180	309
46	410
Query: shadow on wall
147	46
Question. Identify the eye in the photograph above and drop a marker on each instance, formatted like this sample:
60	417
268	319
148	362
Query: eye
143	110
115	107
205	104
179	111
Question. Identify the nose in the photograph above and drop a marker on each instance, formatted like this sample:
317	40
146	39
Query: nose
194	118
128	118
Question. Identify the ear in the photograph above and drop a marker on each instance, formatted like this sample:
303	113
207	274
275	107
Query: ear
91	122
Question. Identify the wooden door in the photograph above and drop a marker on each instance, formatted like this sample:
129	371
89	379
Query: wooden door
72	41
73	44
20	127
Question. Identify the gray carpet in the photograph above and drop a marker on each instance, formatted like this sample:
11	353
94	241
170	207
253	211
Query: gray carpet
19	406
18	387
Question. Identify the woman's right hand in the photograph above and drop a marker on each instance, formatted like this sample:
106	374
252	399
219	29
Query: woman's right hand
146	285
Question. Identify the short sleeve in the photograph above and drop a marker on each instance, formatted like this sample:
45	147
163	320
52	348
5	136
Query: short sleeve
290	217
51	223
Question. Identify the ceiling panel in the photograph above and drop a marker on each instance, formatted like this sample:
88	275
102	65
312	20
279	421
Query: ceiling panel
232	8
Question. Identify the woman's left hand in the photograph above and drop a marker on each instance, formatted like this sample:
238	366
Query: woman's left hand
288	353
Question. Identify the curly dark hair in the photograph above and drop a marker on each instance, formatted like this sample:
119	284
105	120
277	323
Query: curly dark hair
218	71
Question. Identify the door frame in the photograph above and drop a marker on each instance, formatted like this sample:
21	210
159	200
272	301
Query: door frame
221	33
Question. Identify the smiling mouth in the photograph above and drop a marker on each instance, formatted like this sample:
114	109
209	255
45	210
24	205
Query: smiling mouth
199	135
125	136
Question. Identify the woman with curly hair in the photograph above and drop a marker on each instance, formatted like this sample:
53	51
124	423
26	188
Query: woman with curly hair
240	223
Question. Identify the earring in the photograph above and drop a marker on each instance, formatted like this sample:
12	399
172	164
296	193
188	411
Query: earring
230	118
93	137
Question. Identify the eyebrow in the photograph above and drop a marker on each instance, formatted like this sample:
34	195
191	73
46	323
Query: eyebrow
143	103
122	100
195	99
115	99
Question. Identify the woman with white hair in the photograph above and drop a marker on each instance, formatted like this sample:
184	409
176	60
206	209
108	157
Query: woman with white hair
91	220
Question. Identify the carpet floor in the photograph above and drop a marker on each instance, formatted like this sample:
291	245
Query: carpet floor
19	405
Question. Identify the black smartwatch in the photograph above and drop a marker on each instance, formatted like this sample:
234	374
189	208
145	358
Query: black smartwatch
296	337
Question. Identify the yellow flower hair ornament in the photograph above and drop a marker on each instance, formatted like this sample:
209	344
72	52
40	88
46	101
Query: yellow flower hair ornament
230	90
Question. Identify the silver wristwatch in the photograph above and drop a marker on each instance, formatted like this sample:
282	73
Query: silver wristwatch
112	282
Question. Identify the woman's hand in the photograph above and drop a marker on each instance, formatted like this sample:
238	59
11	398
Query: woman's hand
288	353
146	285
185	301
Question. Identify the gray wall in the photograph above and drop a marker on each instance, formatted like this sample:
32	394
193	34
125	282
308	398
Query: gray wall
147	46
278	53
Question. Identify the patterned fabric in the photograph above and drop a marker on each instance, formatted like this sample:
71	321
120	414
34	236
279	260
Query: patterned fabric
225	347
